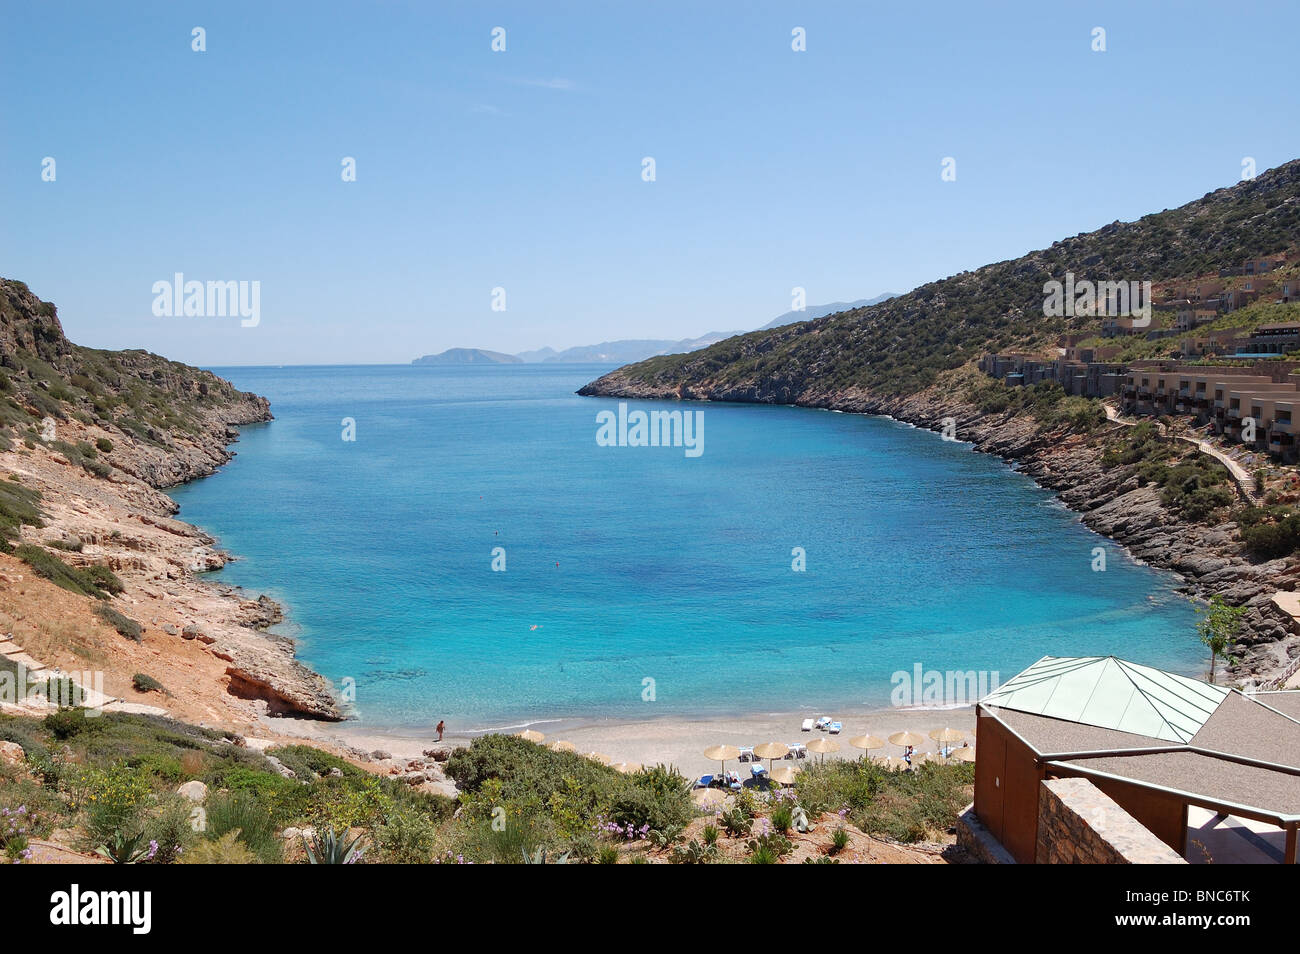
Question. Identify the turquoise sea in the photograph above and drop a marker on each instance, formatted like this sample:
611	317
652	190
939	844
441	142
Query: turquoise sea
631	563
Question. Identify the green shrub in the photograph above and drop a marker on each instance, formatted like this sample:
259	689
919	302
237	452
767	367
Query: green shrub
124	625
407	837
104	444
1269	532
96	581
145	683
70	723
244	813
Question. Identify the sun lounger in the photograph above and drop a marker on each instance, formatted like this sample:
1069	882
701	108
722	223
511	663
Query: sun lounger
758	771
704	781
836	728
746	753
824	722
733	781
797	751
807	725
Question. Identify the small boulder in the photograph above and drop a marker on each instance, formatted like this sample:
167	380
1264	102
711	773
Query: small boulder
192	632
12	753
195	791
280	767
380	755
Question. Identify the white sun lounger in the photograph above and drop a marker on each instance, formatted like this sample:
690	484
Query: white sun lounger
836	728
824	722
807	725
746	753
797	751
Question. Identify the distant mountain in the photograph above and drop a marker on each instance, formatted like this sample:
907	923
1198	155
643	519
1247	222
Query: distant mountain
632	350
624	350
821	311
468	356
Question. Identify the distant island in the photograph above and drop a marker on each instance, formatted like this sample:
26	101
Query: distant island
632	350
468	356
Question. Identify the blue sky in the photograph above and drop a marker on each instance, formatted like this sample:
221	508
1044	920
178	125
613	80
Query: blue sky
522	169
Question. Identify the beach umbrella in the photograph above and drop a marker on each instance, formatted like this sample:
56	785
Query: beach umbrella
627	768
867	742
531	736
772	751
906	738
823	746
720	753
784	774
893	764
600	757
561	746
966	754
947	735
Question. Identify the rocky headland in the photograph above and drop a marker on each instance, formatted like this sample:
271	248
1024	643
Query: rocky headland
93	438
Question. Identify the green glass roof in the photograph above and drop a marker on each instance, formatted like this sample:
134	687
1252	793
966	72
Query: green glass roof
1111	693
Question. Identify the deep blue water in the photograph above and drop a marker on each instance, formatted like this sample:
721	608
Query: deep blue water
630	562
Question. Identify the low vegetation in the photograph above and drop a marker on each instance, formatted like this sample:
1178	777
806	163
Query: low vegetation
124	625
110	783
1191	483
94	580
1269	532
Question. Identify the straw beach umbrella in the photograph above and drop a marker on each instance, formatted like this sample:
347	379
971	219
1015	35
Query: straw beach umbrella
822	746
627	768
600	757
907	738
947	735
721	753
531	736
785	774
772	751
966	754
867	742
561	746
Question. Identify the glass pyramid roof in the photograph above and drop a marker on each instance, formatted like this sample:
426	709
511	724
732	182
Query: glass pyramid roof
1111	693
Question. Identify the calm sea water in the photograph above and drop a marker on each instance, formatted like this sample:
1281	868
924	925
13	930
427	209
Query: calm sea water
624	563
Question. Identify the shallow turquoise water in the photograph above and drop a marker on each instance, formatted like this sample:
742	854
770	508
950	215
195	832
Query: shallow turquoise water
639	562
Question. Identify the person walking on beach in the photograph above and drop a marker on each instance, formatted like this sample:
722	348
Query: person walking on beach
440	726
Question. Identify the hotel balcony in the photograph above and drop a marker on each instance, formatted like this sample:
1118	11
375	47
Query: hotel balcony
1234	412
1281	427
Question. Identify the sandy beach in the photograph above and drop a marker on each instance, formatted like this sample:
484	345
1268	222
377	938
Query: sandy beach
673	740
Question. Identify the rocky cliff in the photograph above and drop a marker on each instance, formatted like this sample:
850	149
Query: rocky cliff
96	434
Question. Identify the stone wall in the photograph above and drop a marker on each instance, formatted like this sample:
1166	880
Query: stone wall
1080	824
979	841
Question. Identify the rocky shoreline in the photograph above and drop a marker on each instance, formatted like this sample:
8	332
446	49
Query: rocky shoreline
126	522
1210	559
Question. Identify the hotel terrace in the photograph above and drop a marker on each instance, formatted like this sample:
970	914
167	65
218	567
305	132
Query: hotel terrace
1266	392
